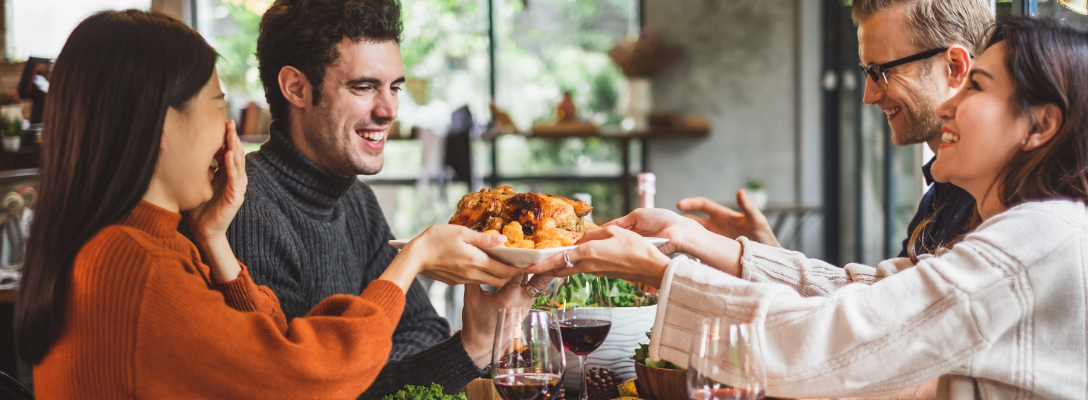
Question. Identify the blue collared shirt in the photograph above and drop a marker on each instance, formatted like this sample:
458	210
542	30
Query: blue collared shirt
951	209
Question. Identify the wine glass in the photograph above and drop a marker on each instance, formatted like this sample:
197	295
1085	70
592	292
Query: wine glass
726	362
528	361
584	311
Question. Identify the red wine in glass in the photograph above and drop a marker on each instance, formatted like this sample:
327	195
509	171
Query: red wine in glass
583	311
581	336
727	393
527	362
527	386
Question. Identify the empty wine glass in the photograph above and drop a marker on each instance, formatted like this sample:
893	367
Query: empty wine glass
584	311
527	361
726	362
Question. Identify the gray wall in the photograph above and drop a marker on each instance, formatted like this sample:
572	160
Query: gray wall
752	67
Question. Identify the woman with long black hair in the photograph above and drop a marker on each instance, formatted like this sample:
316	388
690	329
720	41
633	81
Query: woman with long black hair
115	303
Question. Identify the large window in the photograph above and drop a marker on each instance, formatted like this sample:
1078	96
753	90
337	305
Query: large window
1071	12
39	28
542	49
547	47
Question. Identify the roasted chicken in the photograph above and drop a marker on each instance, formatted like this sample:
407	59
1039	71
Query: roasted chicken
529	220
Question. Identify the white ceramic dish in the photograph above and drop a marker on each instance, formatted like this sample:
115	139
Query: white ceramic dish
523	258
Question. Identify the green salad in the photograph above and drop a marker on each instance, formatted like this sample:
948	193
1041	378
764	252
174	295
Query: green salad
642	356
621	293
433	392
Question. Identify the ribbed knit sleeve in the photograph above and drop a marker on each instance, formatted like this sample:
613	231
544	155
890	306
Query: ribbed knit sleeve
243	295
1006	307
808	276
190	344
144	319
93	357
859	341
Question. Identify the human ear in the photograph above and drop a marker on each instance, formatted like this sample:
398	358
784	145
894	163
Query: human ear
295	87
959	65
1048	120
171	126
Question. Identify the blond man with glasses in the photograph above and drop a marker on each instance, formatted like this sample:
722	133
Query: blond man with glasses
916	54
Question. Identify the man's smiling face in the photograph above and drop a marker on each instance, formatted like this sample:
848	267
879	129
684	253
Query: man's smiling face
914	90
346	130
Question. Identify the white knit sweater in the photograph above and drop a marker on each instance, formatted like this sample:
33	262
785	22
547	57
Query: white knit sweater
1000	316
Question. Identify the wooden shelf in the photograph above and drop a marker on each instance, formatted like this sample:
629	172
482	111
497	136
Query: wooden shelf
625	178
652	134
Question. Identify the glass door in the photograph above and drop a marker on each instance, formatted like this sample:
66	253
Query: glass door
872	187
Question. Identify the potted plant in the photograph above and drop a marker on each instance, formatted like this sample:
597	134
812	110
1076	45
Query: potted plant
756	193
659	379
633	315
11	129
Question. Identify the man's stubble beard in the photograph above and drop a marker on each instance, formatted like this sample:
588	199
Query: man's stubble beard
323	140
920	118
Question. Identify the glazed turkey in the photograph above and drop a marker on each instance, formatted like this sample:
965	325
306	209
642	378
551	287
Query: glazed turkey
543	219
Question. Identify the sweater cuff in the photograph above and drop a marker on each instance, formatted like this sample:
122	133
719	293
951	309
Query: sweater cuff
240	293
387	296
763	263
663	304
460	367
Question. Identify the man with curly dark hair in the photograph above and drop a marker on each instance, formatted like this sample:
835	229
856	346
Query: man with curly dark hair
309	229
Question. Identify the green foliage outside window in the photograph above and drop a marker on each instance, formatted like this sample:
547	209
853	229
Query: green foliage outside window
545	47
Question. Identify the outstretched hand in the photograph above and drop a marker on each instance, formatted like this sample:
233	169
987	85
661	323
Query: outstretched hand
451	254
610	251
659	223
750	222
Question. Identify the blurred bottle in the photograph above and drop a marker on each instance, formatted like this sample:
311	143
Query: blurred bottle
565	111
647	187
588	200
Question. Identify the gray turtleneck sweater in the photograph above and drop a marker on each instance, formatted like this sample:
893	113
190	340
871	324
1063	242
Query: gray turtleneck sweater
308	234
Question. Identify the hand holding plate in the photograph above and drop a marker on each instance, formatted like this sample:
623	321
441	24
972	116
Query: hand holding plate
451	254
610	251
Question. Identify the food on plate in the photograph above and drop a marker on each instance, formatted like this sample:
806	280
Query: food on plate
528	220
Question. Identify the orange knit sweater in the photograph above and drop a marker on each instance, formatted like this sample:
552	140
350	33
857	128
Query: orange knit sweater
144	319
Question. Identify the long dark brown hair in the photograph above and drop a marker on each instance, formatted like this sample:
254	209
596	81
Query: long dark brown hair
113	81
1048	63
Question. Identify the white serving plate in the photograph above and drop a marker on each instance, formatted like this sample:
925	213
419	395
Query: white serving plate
523	258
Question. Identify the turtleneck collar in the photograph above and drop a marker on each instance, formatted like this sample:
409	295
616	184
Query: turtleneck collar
157	221
301	176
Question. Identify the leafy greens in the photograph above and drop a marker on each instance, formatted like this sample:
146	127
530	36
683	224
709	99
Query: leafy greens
433	392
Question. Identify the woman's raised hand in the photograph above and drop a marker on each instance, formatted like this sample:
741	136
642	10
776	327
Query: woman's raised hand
210	220
610	251
451	254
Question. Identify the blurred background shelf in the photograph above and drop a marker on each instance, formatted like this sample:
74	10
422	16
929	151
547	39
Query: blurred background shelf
624	176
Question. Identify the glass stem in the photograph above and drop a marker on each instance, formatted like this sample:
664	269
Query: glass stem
584	394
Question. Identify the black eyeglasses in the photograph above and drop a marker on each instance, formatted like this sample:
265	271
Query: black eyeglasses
878	71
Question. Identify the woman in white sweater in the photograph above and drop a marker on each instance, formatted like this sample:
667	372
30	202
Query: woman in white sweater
1001	314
